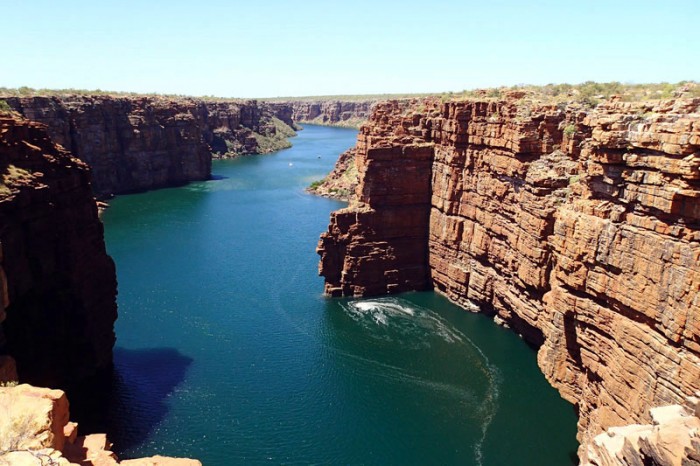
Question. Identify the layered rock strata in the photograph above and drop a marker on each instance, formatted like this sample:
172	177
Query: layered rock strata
377	245
35	429
140	143
580	229
349	114
57	283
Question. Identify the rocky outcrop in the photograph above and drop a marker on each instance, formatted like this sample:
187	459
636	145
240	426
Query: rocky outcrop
673	439
35	429
140	143
349	114
377	245
57	283
341	182
579	229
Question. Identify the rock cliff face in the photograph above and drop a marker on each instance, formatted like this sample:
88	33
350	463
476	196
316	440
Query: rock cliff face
57	283
331	112
35	429
578	229
140	143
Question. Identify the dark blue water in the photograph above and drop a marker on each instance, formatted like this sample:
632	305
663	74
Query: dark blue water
228	352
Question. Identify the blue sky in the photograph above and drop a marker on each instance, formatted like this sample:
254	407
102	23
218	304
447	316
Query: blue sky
280	48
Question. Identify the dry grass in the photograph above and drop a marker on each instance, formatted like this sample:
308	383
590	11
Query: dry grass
588	92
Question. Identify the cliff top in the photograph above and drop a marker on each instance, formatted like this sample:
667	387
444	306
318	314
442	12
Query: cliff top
589	92
97	93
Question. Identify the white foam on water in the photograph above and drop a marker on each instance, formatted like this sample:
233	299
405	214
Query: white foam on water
416	322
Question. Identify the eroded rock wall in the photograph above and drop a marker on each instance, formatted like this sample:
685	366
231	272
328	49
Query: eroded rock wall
139	143
58	283
577	228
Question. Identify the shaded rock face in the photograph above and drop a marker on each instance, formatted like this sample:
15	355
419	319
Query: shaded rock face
57	283
578	229
139	143
331	112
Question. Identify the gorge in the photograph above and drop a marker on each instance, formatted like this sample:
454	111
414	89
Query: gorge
250	363
577	228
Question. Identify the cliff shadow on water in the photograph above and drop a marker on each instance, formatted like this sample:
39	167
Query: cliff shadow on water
129	400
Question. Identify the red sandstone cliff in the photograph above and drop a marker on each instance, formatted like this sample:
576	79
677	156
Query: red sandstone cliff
579	229
140	143
57	283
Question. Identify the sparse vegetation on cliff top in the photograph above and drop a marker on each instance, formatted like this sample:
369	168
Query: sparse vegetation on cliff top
589	92
4	107
25	91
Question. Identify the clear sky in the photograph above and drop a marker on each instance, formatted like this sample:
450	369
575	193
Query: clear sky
312	47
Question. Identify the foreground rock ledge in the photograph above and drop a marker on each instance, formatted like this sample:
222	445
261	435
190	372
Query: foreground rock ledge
578	228
35	429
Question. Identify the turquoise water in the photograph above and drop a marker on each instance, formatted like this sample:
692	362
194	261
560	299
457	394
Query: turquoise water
228	352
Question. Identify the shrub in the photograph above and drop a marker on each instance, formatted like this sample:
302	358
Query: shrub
316	184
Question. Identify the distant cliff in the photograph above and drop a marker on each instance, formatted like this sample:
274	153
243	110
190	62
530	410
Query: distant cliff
140	143
349	114
579	229
57	284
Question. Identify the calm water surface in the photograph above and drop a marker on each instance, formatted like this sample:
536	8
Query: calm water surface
228	352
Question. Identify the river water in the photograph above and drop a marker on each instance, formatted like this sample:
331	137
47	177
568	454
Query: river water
228	352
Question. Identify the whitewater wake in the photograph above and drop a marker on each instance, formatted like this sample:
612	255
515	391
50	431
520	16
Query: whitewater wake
416	325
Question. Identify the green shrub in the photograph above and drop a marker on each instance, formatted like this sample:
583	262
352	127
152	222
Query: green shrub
316	184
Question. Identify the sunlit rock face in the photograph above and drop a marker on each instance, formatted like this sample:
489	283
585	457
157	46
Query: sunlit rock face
36	429
578	228
140	143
